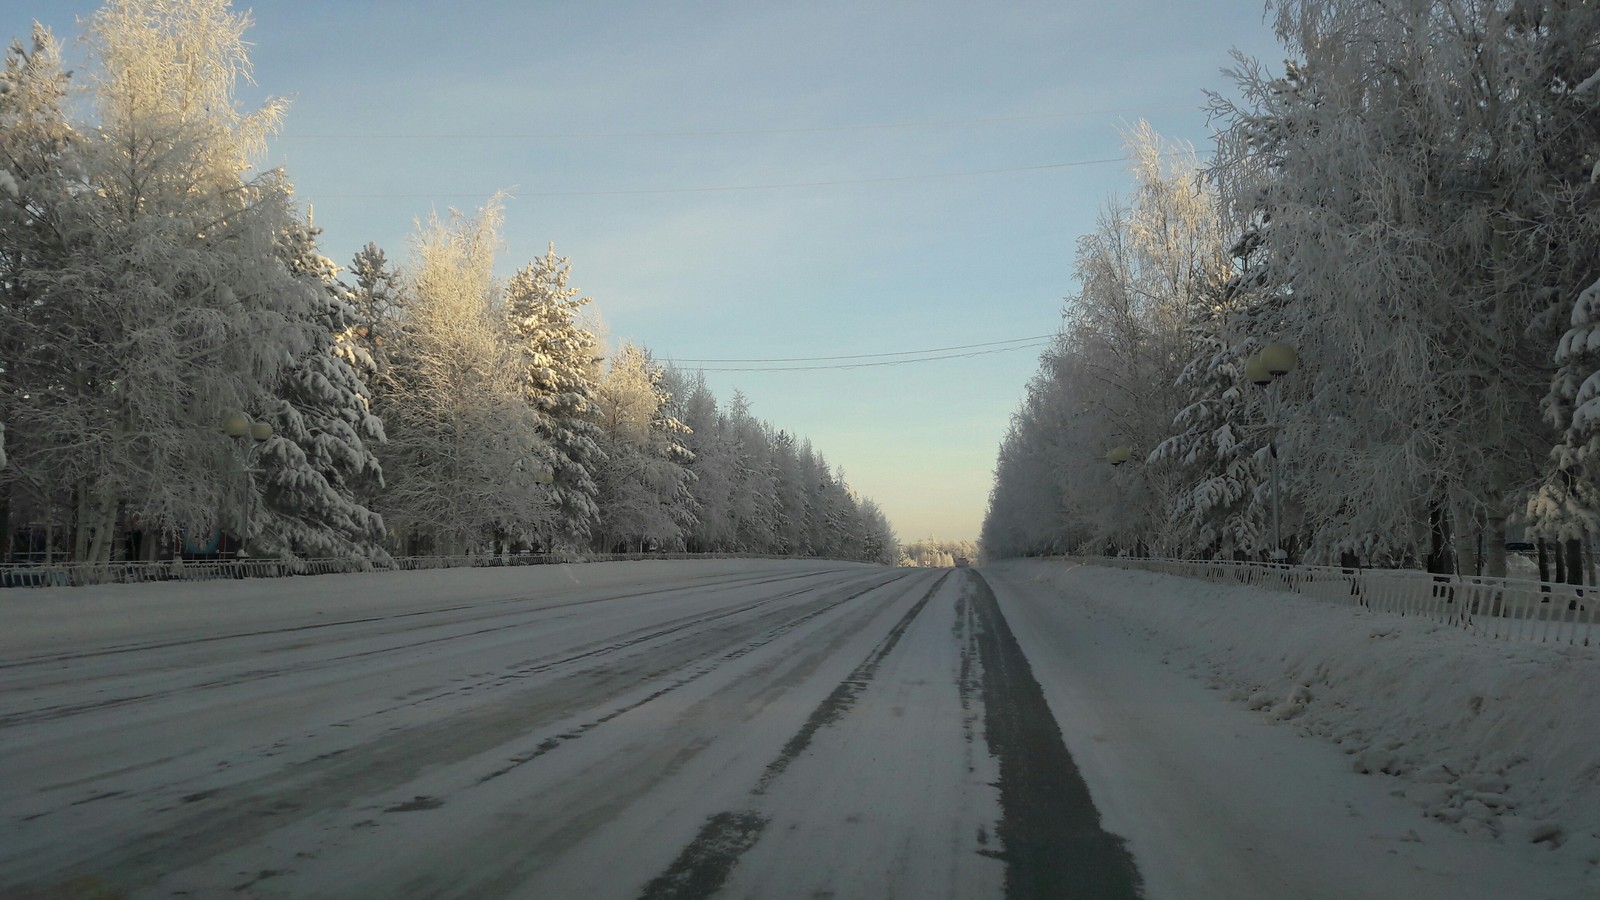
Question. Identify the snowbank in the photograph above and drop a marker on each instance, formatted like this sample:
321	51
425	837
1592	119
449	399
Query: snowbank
1495	738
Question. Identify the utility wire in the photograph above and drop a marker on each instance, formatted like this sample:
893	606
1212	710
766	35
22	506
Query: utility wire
866	365
739	187
789	359
728	132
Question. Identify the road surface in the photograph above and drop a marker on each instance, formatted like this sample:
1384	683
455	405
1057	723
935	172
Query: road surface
655	730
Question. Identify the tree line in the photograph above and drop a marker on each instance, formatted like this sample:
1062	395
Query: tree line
1409	204
934	553
178	359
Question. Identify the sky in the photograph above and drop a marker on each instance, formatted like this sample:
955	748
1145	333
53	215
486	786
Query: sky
760	181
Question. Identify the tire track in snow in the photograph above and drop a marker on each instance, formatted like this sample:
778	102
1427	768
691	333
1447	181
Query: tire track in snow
715	581
699	672
1049	831
299	668
702	866
239	813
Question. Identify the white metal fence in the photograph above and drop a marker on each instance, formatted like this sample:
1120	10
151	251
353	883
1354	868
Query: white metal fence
78	574
1502	608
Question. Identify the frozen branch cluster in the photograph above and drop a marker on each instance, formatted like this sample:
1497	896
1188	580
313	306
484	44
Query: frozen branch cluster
155	284
1408	204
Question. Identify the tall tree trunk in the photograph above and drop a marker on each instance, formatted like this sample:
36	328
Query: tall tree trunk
105	522
5	522
1439	561
1594	577
1468	531
1574	557
1544	560
80	522
1495	537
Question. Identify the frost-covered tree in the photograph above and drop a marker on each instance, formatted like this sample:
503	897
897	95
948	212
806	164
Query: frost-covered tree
1566	506
1151	267
644	478
464	456
556	363
319	464
789	497
1421	176
715	464
378	299
163	305
40	179
752	488
929	552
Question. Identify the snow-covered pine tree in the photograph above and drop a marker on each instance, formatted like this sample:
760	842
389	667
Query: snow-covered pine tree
1213	447
1566	506
789	495
319	462
556	365
752	491
715	462
379	302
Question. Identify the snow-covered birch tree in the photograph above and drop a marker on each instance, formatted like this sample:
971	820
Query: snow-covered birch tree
165	305
1420	175
40	175
464	454
644	479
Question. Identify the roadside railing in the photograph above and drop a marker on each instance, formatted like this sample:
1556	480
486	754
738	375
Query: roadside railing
1504	608
80	574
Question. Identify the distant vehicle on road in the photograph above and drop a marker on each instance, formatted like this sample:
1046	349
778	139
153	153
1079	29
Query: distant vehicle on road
962	562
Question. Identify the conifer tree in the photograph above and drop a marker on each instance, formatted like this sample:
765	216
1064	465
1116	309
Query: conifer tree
319	463
556	358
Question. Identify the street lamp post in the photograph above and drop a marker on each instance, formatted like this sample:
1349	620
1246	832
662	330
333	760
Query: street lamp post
1275	360
248	437
1118	457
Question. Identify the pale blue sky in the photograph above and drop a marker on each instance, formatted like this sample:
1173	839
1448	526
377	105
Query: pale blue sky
606	122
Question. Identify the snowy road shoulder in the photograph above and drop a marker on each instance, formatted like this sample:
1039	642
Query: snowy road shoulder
1153	680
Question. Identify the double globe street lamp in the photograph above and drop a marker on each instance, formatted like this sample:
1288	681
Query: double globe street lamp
1118	457
1275	360
248	436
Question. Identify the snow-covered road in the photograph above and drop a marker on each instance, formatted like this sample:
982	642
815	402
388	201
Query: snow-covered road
615	730
674	729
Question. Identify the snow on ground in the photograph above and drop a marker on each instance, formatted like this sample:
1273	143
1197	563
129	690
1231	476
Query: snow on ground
528	732
40	620
1250	743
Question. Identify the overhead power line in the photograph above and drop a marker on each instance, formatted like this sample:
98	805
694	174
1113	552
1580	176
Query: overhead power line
790	359
723	132
871	360
866	365
738	187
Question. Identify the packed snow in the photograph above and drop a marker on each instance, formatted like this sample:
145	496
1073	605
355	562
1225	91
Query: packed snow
768	728
1258	744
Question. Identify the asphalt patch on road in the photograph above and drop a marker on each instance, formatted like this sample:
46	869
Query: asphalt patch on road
704	865
1049	830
